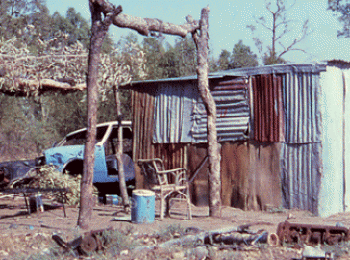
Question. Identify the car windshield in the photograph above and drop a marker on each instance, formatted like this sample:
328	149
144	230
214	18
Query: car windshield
80	136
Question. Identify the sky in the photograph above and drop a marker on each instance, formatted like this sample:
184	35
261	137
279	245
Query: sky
228	22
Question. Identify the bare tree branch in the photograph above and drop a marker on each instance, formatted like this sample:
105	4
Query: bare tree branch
279	28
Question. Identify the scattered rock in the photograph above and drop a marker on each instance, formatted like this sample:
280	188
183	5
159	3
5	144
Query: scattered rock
199	252
315	252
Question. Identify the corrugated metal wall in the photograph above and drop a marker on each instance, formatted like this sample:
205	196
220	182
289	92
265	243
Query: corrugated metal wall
174	155
143	123
268	116
250	175
301	171
301	164
232	104
173	111
286	109
301	94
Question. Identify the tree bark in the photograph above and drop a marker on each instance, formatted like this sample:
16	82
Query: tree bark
99	29
201	41
28	87
146	25
121	175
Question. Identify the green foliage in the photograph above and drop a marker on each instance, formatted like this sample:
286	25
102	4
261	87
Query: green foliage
23	134
12	17
154	50
107	108
242	56
342	8
73	25
186	53
30	21
271	58
64	113
127	46
169	61
224	62
49	177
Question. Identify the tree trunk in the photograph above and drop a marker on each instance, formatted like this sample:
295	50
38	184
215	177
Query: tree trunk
122	184
203	86
99	30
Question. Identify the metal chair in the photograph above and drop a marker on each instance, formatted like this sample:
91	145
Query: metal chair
169	185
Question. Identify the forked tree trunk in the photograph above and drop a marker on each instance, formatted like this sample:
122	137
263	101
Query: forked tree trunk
201	41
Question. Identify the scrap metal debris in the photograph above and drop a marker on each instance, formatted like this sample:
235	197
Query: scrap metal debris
316	253
309	234
84	245
241	236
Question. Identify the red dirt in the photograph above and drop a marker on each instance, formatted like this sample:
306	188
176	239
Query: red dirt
28	234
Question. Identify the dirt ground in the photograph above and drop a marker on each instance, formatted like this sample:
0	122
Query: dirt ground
23	235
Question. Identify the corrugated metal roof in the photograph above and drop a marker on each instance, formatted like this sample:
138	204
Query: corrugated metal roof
273	69
267	69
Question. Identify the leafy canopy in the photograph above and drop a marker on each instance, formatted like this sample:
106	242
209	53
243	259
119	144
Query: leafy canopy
342	8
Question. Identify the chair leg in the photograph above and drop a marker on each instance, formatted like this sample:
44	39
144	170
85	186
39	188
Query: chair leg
162	206
188	206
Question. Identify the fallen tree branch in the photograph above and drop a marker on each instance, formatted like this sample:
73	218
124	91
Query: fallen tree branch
233	236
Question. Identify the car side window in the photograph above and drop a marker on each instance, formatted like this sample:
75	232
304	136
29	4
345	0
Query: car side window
110	147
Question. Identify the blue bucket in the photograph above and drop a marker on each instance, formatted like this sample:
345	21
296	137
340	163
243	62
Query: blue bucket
112	199
143	206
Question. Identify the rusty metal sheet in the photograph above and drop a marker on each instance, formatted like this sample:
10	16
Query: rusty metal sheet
268	122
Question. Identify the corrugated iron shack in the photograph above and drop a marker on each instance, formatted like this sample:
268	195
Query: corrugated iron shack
283	129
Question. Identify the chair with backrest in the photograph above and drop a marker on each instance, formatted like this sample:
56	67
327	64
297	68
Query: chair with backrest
170	186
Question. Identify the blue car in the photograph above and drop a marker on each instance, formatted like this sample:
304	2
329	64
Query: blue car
68	155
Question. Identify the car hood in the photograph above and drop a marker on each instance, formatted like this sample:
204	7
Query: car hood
60	156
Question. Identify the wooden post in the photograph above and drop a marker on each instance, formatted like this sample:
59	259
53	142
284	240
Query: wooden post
121	175
201	41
